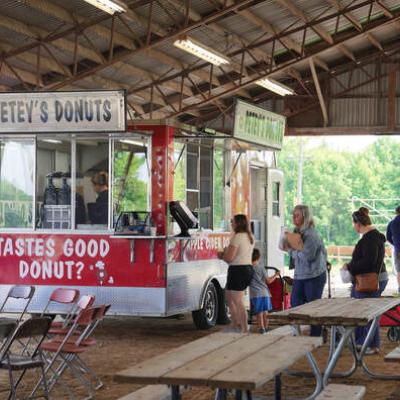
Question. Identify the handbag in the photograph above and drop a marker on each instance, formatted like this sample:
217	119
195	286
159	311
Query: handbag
345	275
367	283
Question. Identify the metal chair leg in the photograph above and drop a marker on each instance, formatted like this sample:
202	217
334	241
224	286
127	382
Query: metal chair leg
45	387
278	387
13	394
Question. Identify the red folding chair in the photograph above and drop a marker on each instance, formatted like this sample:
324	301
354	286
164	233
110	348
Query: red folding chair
94	380
65	350
62	301
21	294
61	328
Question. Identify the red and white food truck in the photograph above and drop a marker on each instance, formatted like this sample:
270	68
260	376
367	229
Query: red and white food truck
53	149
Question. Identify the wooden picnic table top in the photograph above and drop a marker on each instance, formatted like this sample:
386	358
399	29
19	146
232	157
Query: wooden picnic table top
344	311
222	360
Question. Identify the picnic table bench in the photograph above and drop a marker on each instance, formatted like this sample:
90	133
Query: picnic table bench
342	392
342	315
153	392
222	361
393	356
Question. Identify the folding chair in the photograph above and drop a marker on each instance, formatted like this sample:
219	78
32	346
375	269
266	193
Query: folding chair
61	328
13	360
7	327
65	348
98	316
19	292
66	297
93	381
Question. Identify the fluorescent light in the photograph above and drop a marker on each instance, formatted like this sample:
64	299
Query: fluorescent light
275	86
55	141
202	51
134	142
108	6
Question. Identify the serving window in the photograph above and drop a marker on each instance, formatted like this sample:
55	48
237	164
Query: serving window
131	175
199	175
17	182
63	182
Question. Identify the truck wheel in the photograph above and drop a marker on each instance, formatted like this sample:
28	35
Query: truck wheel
393	334
206	317
224	315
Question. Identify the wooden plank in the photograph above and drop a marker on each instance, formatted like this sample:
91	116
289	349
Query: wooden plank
257	369
150	371
153	392
393	356
340	311
285	330
340	392
334	308
198	371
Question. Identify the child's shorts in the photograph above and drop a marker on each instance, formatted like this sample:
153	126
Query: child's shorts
260	304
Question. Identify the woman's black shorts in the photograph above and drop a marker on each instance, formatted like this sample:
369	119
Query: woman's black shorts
239	277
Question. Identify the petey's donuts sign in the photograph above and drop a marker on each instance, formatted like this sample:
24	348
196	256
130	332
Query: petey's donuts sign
92	111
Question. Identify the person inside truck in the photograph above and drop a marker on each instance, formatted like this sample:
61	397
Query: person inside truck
98	211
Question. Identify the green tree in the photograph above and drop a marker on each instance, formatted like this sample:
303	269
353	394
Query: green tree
331	178
130	186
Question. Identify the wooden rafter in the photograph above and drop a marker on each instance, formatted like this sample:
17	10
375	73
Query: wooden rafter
350	16
319	92
181	88
281	68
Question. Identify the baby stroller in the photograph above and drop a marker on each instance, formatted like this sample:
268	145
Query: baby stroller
391	319
280	290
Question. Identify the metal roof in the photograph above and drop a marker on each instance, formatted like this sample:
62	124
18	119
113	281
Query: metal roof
54	44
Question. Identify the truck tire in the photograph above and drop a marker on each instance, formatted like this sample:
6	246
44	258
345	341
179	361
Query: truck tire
206	317
224	315
393	333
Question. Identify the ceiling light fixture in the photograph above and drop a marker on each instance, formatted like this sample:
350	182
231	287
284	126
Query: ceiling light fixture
54	141
108	6
202	51
134	142
275	86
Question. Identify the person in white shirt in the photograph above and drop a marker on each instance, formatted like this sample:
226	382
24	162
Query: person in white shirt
240	272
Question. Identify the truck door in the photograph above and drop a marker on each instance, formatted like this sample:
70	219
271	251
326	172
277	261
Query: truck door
258	208
274	217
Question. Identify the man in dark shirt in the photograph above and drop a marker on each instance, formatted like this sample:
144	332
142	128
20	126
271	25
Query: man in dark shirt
393	237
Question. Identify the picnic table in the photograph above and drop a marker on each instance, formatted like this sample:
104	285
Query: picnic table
223	361
342	315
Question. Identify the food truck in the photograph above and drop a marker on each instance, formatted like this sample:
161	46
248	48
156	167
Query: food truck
133	212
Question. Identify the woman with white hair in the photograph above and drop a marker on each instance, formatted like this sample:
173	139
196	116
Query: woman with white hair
309	263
